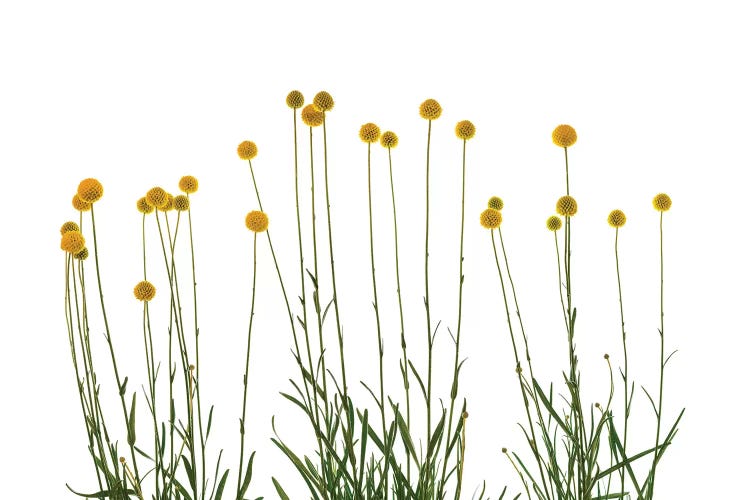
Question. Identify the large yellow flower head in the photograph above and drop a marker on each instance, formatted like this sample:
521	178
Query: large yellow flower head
554	223
389	139
369	132
616	218
430	109
495	202
295	99
256	221
82	255
69	226
188	184
72	242
311	116
490	218
564	136
80	205
247	150
662	202
90	190
465	130
144	206
157	197
181	202
144	291
169	205
323	101
567	206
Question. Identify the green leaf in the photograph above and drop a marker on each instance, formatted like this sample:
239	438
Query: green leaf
123	386
222	483
404	430
210	418
248	476
98	494
279	489
436	436
131	423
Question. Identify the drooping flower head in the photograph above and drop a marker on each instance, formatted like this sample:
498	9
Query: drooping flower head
662	202
80	205
323	101
181	202
616	218
144	291
72	242
369	132
495	202
389	140
430	109
256	221
188	184
554	223
144	206
567	206
157	197
295	99
247	150
490	218
465	130
90	190
564	136
69	226
311	116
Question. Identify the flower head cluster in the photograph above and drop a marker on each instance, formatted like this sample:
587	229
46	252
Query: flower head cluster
554	223
82	255
169	205
662	202
188	184
616	218
256	221
465	130
490	218
311	116
181	202
430	109
144	291
80	205
144	206
389	139
295	99
90	190
567	206
369	133
72	242
495	202
157	197
323	101
69	226
564	136
247	150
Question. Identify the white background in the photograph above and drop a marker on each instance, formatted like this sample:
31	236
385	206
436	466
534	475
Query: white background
138	94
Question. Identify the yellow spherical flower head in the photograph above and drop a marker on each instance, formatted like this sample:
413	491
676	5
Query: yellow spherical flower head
490	218
181	202
69	226
662	202
465	130
323	101
188	184
247	150
90	190
554	223
82	255
144	291
564	136
567	206
295	99
80	205
616	218
169	205
311	116
430	109
369	132
143	206
256	221
495	202
72	242
157	197
389	140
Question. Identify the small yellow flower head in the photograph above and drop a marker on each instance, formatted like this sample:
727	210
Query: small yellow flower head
247	150
295	99
144	291
465	130
143	206
157	198
323	101
490	218
554	223
181	202
564	136
188	184
72	242
430	109
567	206
169	205
80	205
495	202
369	132
82	255
311	116
662	202
90	190
616	218
389	140
69	226
256	221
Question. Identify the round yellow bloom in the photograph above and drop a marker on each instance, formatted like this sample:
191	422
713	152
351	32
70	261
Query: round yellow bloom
256	221
295	99
495	202
144	291
169	205
181	202
311	116
662	202
564	136
69	226
430	109
157	197
369	132
188	184
465	130
82	255
143	206
616	218
80	205
323	101
72	242
247	150
554	223
389	140
490	218
567	206
90	190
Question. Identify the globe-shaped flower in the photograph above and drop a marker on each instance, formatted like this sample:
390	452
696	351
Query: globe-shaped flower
69	226
188	184
564	136
430	109
144	291
323	101
389	139
256	221
616	218
465	130
311	116
369	132
144	206
490	218
181	202
72	242
567	206
247	150
82	255
662	202
169	205
80	205
554	223
295	99
495	202
90	190
157	197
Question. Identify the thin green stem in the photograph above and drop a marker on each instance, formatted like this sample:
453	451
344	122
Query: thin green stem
661	363
427	287
625	353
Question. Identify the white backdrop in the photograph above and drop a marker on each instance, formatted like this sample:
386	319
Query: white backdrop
139	94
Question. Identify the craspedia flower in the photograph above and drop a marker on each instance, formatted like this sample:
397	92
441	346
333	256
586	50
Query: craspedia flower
490	218
256	221
465	130
323	101
662	202
69	226
564	136
567	206
82	255
295	99
144	291
181	202
311	116
247	150
188	184
80	205
616	218
143	206
495	202
389	139
90	190
430	109
72	242
554	223
169	205
369	132
157	197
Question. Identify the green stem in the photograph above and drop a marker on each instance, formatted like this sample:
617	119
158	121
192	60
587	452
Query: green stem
427	287
625	353
661	364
